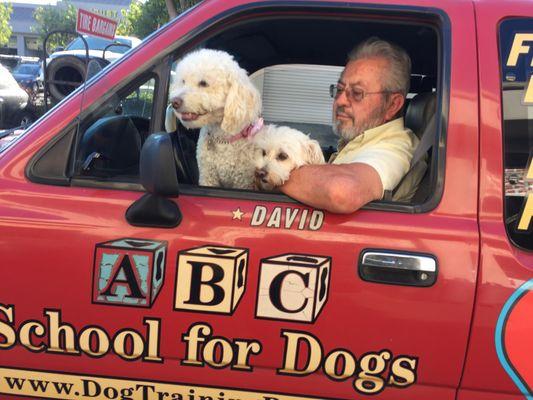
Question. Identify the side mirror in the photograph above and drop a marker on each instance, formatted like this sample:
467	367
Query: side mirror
158	165
158	175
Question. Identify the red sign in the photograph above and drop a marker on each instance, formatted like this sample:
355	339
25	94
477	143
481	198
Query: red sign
95	25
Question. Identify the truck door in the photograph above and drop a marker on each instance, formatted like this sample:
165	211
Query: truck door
497	364
240	294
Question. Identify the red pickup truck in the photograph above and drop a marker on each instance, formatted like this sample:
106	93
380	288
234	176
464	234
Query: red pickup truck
109	290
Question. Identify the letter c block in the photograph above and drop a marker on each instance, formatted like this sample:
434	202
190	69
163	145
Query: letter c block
293	287
210	279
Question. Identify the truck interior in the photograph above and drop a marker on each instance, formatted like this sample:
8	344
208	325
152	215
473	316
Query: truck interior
293	61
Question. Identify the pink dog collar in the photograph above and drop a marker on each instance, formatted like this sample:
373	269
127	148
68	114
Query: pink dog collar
249	132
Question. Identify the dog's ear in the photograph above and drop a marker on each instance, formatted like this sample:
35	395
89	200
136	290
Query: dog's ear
314	152
243	104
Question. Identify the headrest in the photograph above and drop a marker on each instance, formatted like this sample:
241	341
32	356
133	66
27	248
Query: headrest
419	111
422	83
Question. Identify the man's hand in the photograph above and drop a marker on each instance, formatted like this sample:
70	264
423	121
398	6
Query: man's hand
338	188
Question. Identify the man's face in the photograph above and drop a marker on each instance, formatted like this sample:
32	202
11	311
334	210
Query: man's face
352	117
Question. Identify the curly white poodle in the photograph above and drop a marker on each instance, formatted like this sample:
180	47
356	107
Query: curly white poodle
280	150
211	91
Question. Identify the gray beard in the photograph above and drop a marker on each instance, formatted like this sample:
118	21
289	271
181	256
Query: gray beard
349	133
359	127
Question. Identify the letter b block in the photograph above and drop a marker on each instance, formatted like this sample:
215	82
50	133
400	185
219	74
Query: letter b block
293	287
129	272
211	279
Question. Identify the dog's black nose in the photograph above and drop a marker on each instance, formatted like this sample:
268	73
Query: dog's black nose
176	103
260	173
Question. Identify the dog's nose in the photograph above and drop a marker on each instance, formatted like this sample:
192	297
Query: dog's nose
260	173
176	103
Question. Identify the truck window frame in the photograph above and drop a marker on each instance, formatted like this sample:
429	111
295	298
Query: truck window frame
439	21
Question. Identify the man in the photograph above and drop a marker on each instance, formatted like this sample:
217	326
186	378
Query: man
375	149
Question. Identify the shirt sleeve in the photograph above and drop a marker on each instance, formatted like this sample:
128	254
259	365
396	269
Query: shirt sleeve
391	162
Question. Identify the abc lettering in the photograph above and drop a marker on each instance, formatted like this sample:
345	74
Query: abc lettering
130	280
197	283
275	291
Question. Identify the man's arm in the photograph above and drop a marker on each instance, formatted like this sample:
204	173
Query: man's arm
339	188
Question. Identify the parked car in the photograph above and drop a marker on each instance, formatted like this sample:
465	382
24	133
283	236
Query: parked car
122	278
29	76
14	109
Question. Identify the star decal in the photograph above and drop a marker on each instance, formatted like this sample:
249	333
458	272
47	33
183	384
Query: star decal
237	214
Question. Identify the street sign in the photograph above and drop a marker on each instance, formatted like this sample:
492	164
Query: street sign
95	25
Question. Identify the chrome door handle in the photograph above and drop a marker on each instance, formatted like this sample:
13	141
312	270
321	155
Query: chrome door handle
399	268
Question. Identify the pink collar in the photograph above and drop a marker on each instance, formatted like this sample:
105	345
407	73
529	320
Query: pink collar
249	132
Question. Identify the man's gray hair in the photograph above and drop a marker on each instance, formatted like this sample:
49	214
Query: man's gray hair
399	78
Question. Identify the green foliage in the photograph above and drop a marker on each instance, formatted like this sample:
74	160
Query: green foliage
144	17
5	29
51	18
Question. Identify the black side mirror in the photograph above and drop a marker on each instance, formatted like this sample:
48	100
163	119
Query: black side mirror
159	177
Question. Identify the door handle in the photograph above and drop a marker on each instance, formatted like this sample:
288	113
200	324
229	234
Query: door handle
398	268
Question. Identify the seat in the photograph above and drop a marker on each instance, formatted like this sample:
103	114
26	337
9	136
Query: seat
418	117
419	112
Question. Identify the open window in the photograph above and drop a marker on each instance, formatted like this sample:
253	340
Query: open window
293	60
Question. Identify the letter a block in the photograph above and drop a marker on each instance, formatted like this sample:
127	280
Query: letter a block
293	287
129	272
211	279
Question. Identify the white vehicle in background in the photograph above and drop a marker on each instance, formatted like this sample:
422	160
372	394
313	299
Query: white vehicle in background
114	49
67	68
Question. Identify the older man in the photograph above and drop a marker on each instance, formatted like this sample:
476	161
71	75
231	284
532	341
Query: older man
375	148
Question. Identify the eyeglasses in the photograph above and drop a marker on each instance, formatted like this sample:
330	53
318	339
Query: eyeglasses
352	94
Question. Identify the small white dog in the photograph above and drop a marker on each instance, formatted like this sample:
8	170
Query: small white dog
211	91
280	150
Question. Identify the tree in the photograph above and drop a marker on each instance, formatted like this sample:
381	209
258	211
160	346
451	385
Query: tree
5	29
144	17
171	8
51	18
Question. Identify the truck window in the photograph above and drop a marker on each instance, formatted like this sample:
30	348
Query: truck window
516	52
294	78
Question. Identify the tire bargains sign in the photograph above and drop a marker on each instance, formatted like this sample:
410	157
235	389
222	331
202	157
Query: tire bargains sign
95	25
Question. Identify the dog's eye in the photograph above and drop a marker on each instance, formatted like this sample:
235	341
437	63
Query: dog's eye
282	156
264	152
203	83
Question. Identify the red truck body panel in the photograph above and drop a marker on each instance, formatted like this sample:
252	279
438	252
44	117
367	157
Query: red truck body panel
50	236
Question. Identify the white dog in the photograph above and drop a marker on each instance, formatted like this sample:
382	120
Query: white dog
211	91
279	151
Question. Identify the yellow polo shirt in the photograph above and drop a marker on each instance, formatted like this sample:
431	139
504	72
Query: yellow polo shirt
388	149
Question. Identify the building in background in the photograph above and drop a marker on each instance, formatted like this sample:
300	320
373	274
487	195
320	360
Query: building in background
25	42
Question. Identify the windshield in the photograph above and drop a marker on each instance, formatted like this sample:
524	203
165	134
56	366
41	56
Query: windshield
27	69
100	44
